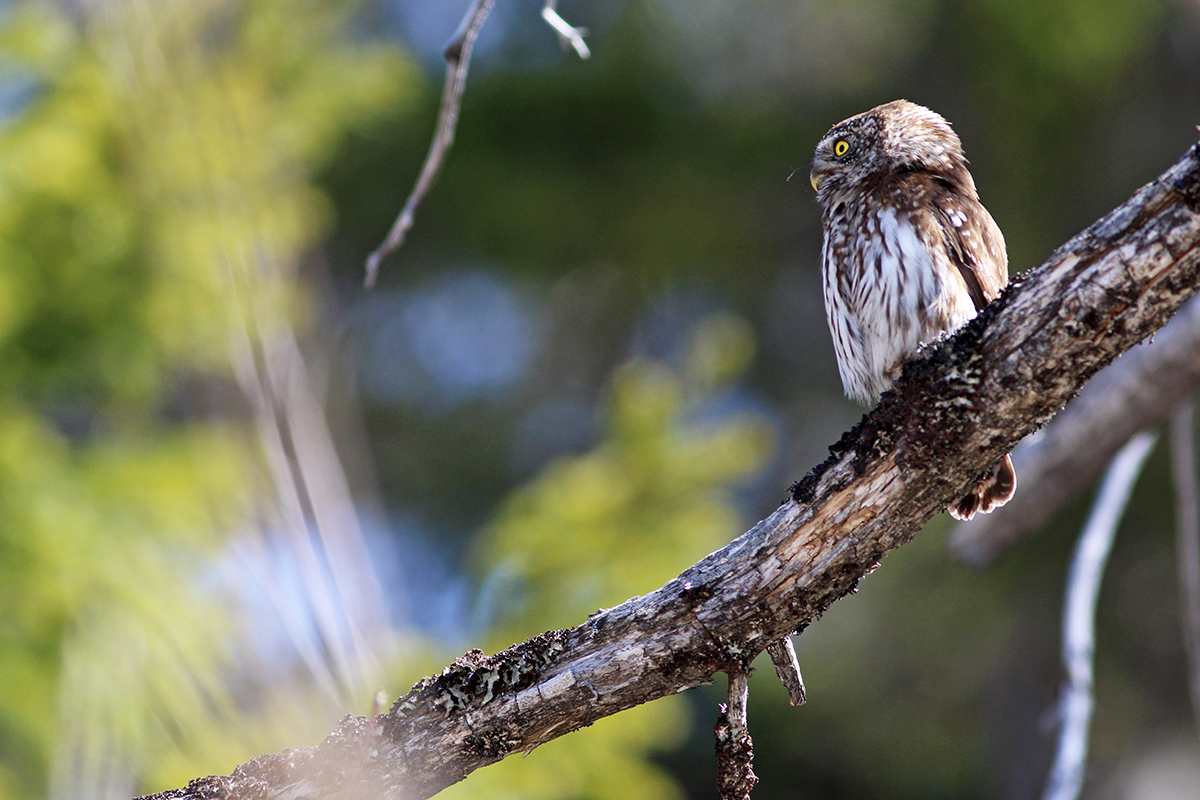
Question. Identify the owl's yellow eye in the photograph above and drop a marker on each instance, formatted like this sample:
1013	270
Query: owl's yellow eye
840	147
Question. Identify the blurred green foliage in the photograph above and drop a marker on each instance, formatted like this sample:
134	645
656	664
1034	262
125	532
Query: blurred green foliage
655	494
155	199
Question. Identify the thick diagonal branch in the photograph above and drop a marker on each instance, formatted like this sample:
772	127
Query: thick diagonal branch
1135	392
954	412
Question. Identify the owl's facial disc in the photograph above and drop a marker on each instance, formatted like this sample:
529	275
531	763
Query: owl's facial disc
845	145
828	160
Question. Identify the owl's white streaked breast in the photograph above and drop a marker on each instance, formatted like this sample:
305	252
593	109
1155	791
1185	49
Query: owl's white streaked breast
893	295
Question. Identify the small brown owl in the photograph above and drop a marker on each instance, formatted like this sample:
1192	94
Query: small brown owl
910	253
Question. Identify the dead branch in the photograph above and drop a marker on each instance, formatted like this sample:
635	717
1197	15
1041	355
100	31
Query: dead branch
735	750
787	667
954	412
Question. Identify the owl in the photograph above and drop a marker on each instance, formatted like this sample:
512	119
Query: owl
909	254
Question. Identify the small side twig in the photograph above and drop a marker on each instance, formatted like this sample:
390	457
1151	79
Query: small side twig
787	667
735	750
567	34
458	59
1187	515
1079	616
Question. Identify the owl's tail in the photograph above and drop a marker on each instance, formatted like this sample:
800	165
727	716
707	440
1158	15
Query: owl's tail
994	490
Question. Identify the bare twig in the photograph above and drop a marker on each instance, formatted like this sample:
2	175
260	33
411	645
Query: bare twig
1187	515
735	750
1079	616
458	59
787	667
567	34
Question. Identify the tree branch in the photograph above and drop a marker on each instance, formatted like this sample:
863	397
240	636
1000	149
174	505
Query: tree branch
568	34
954	412
458	59
1079	616
735	750
787	668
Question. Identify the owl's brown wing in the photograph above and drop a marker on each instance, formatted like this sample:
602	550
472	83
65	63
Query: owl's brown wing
975	243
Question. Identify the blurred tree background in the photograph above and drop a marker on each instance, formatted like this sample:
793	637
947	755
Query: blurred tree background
239	495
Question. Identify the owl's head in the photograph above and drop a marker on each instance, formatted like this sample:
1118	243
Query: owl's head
890	139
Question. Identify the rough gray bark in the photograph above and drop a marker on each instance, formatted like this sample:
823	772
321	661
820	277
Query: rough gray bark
787	667
954	412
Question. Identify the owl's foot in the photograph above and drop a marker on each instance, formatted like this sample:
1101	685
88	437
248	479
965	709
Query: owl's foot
994	490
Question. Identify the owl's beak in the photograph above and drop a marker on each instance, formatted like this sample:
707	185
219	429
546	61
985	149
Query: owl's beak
820	169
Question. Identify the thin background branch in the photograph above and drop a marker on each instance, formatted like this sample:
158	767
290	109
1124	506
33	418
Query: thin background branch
567	34
1187	516
458	60
1079	616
